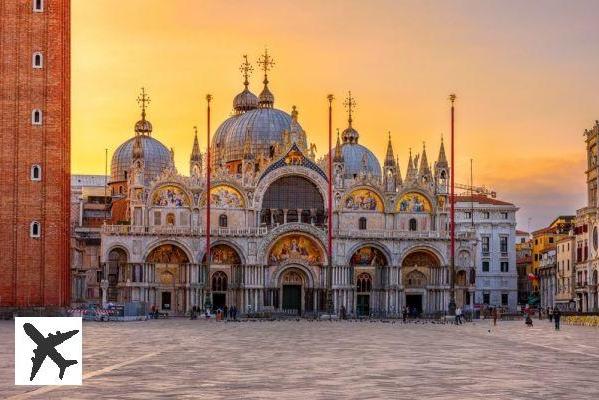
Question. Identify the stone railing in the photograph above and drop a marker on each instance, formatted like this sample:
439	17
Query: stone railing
180	231
387	234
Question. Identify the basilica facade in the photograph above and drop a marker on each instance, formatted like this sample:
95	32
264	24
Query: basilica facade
269	222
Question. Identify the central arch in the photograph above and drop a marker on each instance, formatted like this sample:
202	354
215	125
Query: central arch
293	283
419	270
168	261
292	198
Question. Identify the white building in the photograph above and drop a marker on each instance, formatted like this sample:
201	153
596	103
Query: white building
494	224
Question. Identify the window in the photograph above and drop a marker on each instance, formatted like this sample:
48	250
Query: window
36	117
36	173
157	220
170	219
362	223
486	298
550	240
413	224
485	266
504	299
222	221
468	215
364	283
486	215
38	5
505	266
38	60
35	229
485	244
503	244
503	215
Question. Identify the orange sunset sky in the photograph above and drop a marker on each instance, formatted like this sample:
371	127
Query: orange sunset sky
525	73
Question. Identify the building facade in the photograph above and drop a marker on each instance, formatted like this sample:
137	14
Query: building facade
547	276
565	274
90	209
585	232
524	267
493	223
269	215
35	164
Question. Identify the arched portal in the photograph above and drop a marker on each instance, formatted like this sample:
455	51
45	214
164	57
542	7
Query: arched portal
117	262
292	199
168	260
293	285
363	289
219	286
420	270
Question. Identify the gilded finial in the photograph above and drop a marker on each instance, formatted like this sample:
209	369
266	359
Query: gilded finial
266	63
350	105
246	69
452	98
143	100
330	98
208	98
294	113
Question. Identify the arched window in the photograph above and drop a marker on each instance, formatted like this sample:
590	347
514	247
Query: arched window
36	117
35	229
36	173
170	219
364	283
219	282
38	5
413	224
362	223
292	193
38	60
222	221
120	190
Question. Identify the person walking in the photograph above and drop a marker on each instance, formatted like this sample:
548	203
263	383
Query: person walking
494	315
528	320
458	312
550	314
557	315
226	312
404	314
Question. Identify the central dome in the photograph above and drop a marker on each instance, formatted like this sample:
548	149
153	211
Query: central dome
354	156
264	126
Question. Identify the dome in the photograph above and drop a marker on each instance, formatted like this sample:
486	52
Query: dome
350	135
218	140
156	158
353	154
245	101
264	125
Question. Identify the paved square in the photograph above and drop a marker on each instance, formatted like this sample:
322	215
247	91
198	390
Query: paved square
317	360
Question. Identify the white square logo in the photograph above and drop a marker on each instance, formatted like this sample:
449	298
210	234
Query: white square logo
48	351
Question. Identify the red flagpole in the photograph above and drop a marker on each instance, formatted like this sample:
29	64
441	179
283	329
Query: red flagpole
208	171
452	305
330	206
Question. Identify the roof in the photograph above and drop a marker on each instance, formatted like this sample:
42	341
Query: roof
566	218
88	180
519	232
549	229
481	199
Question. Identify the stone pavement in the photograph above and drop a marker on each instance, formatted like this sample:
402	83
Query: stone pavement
183	359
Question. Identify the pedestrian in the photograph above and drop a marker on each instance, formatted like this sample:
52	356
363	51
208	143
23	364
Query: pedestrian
550	314
540	313
226	312
494	315
404	313
233	312
557	315
528	320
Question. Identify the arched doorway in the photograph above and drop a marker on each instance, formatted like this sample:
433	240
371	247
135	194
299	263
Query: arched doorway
364	287
167	260
292	199
419	273
117	261
293	283
225	268
219	286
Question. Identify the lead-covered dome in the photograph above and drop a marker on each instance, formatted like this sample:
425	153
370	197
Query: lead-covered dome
155	155
262	127
355	156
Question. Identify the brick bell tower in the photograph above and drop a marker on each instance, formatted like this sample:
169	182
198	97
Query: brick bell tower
34	153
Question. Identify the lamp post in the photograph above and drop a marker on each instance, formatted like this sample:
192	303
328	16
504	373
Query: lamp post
452	305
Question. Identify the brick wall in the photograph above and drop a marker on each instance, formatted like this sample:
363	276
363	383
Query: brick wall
34	271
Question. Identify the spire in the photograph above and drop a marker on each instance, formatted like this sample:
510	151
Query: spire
424	169
138	149
247	146
195	151
266	63
338	158
143	127
389	159
442	159
411	172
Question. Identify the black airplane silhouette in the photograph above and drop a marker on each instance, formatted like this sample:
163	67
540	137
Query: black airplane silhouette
46	347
